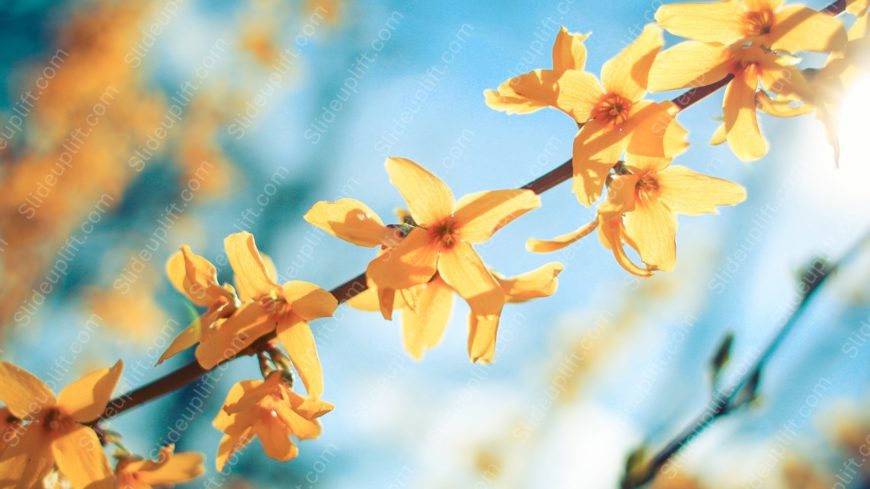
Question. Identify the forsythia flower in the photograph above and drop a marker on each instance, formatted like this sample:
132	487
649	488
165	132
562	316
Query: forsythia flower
694	63
268	306
196	278
271	411
613	114
425	317
642	205
53	430
169	469
792	28
440	234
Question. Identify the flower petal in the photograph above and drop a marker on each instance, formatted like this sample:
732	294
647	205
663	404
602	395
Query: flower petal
612	234
579	91
411	262
80	458
798	28
525	93
251	276
428	198
462	269
482	332
540	282
597	148
741	124
177	468
309	301
569	51
689	64
719	22
687	192
86	398
653	132
26	460
238	332
653	229
627	74
559	242
230	444
350	220
301	427
481	214
23	393
424	326
296	337
275	440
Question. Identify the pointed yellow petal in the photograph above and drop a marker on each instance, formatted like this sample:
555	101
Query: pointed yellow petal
481	214
569	51
482	331
719	135
462	269
80	458
783	78
350	220
611	233
86	398
779	107
177	469
411	262
238	332
540	282
653	229
27	458
687	192
597	147
741	124
366	300
301	427
423	327
428	198
296	337
627	74
23	393
689	64
559	242
251	276
187	338
798	28
309	301
230	444
525	93
719	22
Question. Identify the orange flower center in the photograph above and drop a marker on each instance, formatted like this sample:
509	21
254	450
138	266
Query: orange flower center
612	108
758	23
275	305
647	187
445	233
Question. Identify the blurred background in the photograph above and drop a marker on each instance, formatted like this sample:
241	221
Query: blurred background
130	128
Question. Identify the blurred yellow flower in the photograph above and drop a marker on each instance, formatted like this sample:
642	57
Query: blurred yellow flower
56	431
169	469
271	411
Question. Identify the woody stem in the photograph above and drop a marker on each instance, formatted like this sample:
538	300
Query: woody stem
346	291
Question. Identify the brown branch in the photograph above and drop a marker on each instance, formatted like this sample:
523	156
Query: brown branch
346	291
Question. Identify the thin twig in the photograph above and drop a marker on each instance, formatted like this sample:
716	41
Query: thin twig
727	400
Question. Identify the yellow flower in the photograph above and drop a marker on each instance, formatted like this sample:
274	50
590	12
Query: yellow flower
271	411
427	310
613	114
268	306
693	63
648	198
196	278
53	430
767	23
440	234
169	469
535	90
